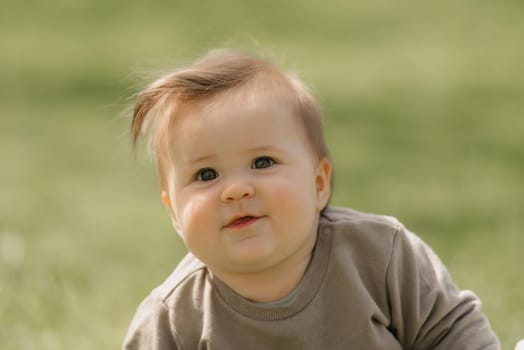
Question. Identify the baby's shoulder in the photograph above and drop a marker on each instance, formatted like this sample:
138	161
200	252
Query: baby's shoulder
352	220
364	235
189	272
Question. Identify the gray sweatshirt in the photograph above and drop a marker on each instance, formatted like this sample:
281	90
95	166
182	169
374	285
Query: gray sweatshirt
370	284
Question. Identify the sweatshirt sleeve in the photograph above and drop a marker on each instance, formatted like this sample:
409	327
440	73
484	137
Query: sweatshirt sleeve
427	309
151	328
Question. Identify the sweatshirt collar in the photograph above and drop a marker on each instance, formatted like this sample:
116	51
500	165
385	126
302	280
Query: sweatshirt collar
299	298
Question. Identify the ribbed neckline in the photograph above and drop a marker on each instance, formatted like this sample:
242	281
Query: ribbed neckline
306	290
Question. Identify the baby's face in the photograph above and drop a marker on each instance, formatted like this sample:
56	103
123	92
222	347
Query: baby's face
245	187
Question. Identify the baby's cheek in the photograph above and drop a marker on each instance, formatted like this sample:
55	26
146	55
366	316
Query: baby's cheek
294	195
200	232
196	216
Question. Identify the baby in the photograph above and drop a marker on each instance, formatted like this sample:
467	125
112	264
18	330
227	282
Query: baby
246	175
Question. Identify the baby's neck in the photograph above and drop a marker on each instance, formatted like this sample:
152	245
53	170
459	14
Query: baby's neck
269	287
271	284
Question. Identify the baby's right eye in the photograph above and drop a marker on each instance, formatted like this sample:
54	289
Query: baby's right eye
206	174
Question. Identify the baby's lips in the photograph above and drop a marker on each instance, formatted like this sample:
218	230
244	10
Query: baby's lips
241	219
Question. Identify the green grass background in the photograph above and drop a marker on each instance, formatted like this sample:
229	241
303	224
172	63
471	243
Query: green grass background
424	104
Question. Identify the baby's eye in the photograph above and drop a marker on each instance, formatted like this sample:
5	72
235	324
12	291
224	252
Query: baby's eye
262	162
206	174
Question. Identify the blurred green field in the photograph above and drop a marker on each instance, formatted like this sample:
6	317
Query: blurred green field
424	105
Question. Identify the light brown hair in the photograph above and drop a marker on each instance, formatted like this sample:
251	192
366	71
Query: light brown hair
219	71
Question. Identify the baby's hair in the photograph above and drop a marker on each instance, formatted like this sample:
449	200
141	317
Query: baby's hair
220	71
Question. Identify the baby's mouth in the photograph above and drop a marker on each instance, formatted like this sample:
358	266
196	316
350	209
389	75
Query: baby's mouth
242	221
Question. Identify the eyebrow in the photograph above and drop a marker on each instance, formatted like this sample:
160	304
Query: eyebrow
263	148
198	159
207	157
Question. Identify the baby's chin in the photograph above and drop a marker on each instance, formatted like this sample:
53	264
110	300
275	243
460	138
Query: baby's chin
252	255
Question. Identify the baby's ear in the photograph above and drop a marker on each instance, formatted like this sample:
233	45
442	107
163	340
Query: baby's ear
165	199
164	196
323	182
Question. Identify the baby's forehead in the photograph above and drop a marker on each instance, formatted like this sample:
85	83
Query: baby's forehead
256	95
227	139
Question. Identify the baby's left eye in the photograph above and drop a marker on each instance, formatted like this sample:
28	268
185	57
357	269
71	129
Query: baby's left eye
262	162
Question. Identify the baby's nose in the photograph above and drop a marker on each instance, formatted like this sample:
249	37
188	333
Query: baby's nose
237	190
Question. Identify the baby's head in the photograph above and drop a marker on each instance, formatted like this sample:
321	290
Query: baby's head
241	158
218	74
